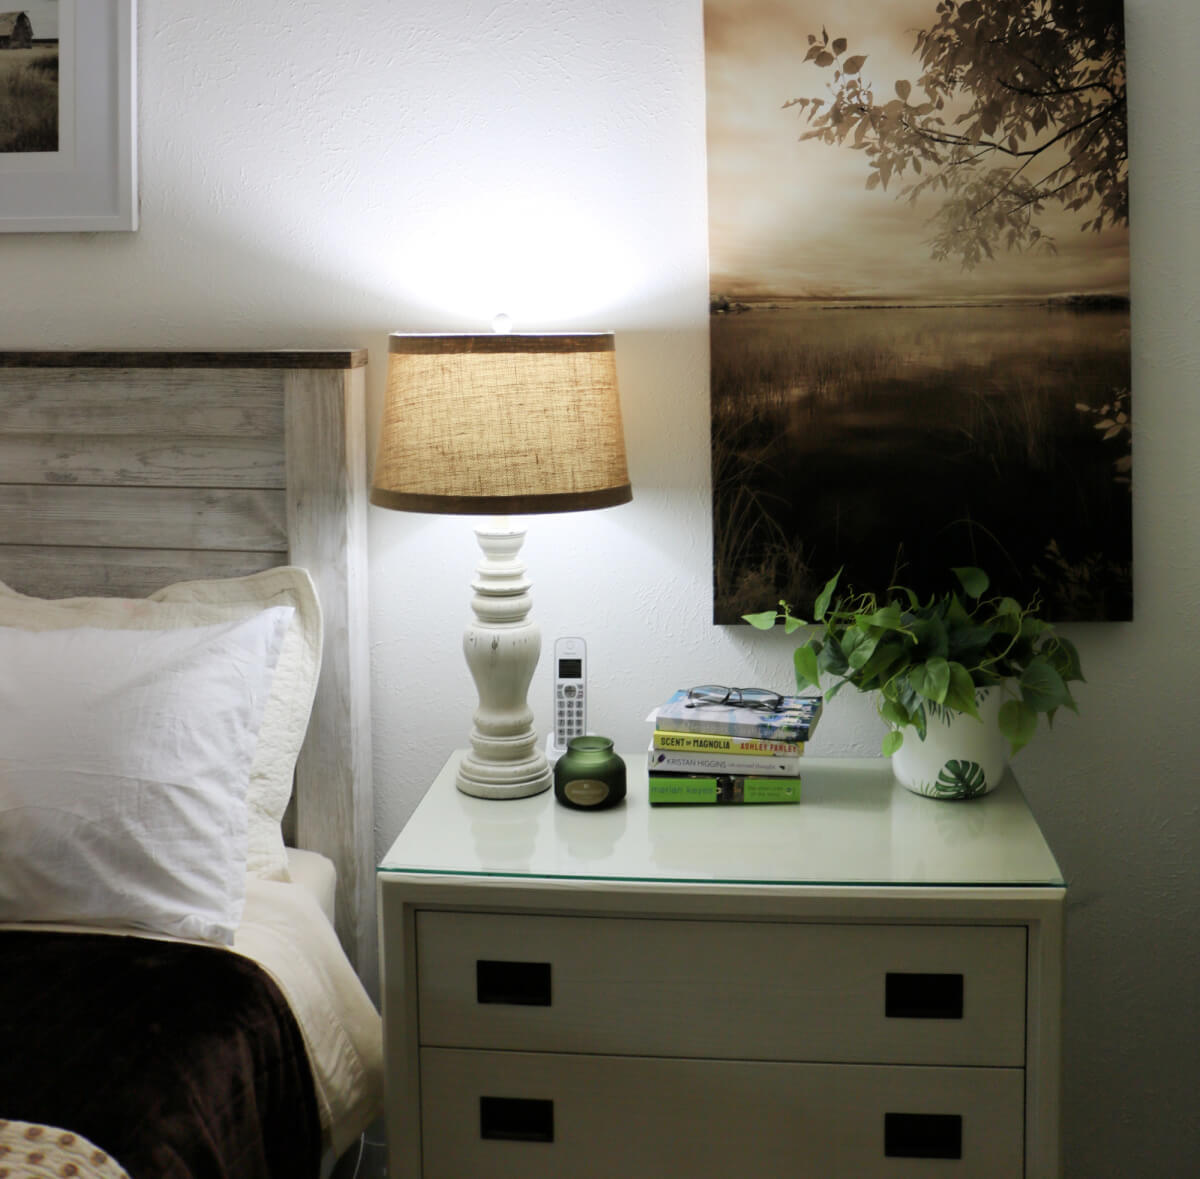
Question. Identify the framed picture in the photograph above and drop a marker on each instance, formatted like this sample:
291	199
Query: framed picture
68	112
920	301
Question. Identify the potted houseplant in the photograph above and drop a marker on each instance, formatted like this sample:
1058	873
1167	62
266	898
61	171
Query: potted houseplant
961	679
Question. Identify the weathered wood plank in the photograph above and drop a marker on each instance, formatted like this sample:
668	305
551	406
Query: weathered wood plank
63	572
148	402
327	524
119	460
317	358
130	517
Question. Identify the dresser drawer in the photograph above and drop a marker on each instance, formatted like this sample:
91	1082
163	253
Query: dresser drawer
513	1115
902	994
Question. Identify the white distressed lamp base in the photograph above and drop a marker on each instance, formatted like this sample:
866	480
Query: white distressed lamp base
480	779
502	647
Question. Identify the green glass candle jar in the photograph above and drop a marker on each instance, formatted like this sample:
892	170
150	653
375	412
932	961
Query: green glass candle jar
589	776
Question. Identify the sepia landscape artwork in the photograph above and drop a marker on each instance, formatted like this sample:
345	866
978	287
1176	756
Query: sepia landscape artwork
29	87
919	300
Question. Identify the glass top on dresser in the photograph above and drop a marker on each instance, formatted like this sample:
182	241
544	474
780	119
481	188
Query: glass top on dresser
854	825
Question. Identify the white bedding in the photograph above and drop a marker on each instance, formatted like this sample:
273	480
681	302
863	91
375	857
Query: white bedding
285	930
317	874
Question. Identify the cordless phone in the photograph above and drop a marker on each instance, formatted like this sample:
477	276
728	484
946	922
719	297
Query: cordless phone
570	692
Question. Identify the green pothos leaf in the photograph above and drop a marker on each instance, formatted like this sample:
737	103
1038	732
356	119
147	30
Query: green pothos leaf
961	694
890	618
1042	688
1018	722
933	680
973	580
808	674
1064	658
764	621
826	595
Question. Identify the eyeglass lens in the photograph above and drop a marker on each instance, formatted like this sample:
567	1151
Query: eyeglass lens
718	694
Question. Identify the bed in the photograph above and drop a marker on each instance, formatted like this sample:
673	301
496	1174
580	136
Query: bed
187	929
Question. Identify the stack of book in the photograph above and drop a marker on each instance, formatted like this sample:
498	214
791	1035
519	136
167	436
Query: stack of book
710	753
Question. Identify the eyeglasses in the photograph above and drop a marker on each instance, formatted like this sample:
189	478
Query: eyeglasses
758	698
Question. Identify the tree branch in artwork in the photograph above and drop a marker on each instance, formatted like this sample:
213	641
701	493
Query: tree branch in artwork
1020	105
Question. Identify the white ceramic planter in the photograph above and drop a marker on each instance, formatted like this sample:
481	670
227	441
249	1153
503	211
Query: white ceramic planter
959	757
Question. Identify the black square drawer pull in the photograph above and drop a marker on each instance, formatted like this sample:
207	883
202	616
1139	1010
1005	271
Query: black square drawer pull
924	996
524	983
516	1119
922	1136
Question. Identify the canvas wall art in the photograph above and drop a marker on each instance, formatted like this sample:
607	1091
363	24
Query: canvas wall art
919	308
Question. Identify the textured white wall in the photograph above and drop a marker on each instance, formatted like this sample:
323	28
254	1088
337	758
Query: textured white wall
318	174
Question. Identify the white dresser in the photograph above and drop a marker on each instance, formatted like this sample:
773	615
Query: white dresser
864	984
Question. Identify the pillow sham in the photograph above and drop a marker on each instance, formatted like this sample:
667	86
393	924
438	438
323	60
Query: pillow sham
124	762
199	603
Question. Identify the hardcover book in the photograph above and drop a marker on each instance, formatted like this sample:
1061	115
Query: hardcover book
795	719
720	789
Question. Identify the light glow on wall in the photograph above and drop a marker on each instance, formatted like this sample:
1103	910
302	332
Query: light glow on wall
538	256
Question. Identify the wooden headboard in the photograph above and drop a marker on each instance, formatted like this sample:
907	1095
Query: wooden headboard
121	472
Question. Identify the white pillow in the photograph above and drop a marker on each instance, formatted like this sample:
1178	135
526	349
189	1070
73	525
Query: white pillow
124	762
198	603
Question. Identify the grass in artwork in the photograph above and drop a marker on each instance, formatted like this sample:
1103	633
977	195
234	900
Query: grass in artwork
898	441
28	100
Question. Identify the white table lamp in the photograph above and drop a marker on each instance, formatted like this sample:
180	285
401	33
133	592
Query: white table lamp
501	424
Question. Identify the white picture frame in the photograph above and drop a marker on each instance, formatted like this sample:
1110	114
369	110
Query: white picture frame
90	182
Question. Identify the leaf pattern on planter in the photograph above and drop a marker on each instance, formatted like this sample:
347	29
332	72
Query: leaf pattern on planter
961	779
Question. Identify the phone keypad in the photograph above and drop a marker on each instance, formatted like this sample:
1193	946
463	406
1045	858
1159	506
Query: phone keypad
569	710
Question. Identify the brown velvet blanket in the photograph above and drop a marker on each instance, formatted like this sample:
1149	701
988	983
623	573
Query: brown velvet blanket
180	1061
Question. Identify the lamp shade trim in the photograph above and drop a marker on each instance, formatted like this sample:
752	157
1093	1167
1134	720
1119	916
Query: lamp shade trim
502	505
498	343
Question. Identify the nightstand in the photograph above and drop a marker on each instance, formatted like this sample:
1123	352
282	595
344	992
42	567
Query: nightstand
867	983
